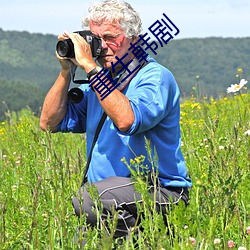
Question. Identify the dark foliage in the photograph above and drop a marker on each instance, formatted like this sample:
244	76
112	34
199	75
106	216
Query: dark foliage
28	66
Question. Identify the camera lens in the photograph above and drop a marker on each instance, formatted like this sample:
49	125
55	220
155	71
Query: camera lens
65	48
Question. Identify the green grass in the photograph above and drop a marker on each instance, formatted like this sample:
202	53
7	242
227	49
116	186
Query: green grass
40	172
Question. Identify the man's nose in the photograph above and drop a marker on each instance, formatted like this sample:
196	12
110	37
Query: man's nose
104	44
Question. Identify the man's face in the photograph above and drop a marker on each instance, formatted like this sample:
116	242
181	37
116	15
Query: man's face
114	43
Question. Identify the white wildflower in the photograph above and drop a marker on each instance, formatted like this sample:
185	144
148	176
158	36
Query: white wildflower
247	133
236	87
217	241
242	248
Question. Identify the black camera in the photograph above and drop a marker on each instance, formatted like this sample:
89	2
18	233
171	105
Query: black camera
65	48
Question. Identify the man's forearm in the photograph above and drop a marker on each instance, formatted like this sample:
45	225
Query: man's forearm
117	107
55	103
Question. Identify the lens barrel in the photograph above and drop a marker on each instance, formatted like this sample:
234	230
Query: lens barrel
75	95
65	48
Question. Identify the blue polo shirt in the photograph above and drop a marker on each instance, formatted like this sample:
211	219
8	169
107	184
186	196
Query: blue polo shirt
154	97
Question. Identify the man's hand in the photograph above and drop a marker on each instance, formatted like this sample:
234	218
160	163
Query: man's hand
83	54
66	63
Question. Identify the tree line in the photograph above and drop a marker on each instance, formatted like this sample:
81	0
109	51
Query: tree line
202	67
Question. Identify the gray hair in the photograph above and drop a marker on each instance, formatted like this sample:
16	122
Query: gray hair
117	12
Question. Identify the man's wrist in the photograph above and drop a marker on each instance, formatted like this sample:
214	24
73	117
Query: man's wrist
65	73
93	72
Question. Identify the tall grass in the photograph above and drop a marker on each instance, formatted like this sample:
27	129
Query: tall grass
40	172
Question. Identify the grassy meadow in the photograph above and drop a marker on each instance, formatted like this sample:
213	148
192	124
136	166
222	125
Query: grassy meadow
40	172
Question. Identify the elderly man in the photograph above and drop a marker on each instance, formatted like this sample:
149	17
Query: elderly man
144	107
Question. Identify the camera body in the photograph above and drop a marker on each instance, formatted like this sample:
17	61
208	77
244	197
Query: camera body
65	48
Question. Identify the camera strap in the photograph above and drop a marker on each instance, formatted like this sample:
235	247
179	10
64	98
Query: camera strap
127	75
97	132
133	64
124	77
72	74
